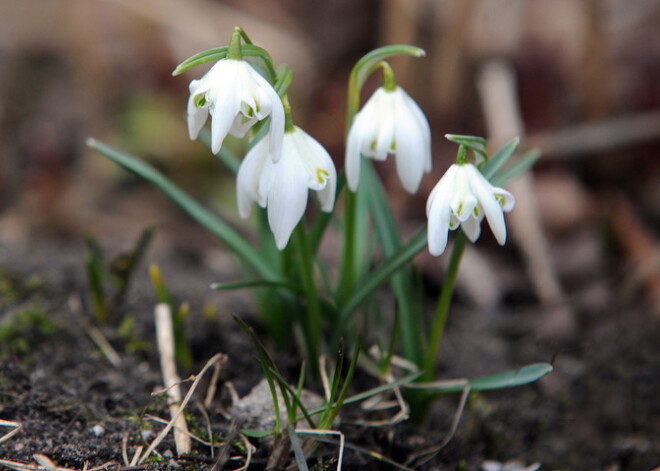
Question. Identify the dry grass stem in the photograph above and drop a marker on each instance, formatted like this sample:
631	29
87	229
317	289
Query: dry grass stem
426	455
16	427
171	380
213	385
185	401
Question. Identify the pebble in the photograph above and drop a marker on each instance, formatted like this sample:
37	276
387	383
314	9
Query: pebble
98	430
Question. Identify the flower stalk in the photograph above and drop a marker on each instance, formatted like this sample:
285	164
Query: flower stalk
444	301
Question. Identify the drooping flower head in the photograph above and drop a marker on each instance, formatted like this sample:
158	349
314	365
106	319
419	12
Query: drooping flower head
462	198
283	187
390	123
236	97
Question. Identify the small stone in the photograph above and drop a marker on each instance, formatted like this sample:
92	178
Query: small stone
98	430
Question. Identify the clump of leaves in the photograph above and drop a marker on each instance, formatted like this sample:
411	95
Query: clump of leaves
109	280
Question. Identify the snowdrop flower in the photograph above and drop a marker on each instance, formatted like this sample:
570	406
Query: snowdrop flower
463	197
390	123
282	187
236	97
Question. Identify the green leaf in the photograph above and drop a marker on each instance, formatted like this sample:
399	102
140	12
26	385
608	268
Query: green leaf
475	143
210	55
284	79
267	364
507	379
390	266
299	453
402	282
406	380
497	161
124	266
258	433
522	165
218	53
255	284
235	241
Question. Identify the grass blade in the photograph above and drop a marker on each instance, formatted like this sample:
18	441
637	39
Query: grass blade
497	161
522	165
213	224
382	274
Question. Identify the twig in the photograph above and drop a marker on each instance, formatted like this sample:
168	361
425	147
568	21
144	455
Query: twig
171	380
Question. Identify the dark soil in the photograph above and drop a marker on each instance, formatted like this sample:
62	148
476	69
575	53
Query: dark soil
599	409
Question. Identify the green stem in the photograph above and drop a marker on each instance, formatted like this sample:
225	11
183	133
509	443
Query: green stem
379	276
312	323
348	255
444	301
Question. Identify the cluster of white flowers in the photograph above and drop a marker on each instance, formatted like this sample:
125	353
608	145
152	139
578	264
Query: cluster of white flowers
278	172
280	169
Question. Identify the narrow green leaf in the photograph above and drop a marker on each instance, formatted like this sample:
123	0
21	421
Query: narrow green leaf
235	241
258	433
210	55
374	391
477	141
390	266
497	161
402	282
521	166
284	79
267	364
126	265
339	403
507	379
298	451
288	391
255	284
218	53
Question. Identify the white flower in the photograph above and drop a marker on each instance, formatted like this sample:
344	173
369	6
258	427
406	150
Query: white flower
390	123
282	187
462	197
236	96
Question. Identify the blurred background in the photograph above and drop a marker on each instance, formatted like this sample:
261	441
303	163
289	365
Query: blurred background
578	79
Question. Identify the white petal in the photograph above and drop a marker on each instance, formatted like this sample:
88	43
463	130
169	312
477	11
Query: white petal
484	193
421	124
411	152
352	156
438	227
248	178
446	180
439	212
276	122
320	167
225	105
287	196
472	228
196	117
463	201
505	199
